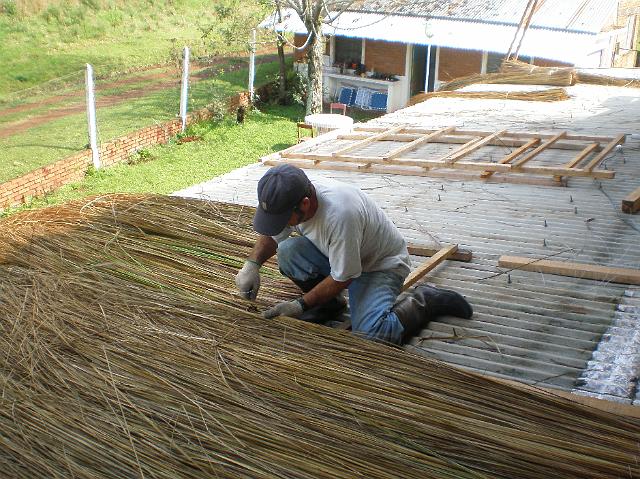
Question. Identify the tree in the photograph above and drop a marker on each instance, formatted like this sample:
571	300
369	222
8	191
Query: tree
315	14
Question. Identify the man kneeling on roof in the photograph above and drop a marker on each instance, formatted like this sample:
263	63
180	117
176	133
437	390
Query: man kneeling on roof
345	242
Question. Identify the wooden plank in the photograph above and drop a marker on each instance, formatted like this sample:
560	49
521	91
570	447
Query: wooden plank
477	145
540	149
471	165
422	172
456	139
631	203
366	141
416	143
460	255
582	155
458	151
428	265
607	149
513	134
513	155
574	270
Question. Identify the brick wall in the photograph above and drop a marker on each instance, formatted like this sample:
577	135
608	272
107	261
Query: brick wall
74	168
458	63
385	57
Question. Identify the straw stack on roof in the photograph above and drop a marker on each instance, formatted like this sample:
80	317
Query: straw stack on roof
548	95
126	353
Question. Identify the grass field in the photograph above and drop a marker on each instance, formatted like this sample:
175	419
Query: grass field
44	40
43	144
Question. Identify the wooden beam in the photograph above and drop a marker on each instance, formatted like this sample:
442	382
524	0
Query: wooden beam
460	255
428	265
513	155
458	151
416	143
366	141
423	172
582	155
467	165
607	149
513	134
631	203
574	270
477	145
540	149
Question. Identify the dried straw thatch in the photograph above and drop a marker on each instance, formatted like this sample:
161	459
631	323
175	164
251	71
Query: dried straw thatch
126	353
582	77
550	94
553	77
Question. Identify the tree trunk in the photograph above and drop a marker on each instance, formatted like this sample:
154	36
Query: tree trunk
282	85
314	81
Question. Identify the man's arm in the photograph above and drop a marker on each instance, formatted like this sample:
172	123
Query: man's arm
328	288
264	249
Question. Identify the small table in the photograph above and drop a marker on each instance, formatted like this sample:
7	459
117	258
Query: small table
324	122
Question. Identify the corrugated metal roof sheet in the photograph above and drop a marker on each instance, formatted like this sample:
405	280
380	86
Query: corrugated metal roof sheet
581	15
570	47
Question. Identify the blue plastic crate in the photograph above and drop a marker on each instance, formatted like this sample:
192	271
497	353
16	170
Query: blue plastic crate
378	101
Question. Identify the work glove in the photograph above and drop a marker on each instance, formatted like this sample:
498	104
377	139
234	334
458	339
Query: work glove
293	309
248	280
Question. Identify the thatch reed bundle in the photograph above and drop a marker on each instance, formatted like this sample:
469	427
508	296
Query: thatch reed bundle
606	80
548	95
126	353
557	77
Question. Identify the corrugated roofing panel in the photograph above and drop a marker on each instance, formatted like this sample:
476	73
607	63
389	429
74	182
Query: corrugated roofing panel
541	43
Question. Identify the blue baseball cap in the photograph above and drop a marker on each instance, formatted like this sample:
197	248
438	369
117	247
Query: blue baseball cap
280	190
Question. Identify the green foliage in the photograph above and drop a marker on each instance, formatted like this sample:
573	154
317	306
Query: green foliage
8	7
296	89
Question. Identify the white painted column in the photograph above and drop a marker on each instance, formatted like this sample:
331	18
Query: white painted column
91	116
427	70
252	63
485	60
184	93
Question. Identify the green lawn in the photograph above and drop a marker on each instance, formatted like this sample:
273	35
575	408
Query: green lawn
60	37
164	169
57	139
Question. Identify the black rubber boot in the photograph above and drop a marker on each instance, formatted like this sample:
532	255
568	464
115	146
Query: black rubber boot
416	308
323	312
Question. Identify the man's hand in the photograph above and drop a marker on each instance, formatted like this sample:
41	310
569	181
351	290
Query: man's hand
293	309
248	280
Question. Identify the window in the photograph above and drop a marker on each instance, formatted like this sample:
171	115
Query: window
348	50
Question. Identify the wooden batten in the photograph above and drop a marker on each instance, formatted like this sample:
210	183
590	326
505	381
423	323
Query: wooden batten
513	155
607	149
540	149
631	203
574	270
429	265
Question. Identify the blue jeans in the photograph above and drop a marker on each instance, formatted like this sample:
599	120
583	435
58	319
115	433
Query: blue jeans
371	295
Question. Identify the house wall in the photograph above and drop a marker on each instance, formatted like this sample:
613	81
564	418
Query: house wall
385	57
455	63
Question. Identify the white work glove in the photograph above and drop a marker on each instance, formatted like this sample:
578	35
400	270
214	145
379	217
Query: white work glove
293	309
248	280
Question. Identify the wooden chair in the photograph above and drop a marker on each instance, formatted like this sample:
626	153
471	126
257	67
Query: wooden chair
301	128
338	106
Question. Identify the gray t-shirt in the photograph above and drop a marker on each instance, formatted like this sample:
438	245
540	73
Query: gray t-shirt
353	232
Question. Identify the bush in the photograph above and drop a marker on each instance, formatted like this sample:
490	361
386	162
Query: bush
8	7
296	90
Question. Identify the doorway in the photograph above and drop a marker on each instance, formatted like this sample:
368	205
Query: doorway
423	60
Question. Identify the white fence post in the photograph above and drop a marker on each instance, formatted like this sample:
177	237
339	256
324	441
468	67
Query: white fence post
185	88
91	117
252	63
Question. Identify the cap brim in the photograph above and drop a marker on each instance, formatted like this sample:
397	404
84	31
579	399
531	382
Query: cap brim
270	224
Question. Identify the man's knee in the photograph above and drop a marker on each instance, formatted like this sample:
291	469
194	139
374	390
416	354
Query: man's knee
288	256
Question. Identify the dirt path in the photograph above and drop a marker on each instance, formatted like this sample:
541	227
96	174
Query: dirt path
19	126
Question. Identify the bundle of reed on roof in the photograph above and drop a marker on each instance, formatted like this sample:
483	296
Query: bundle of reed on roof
517	73
127	353
548	95
595	79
